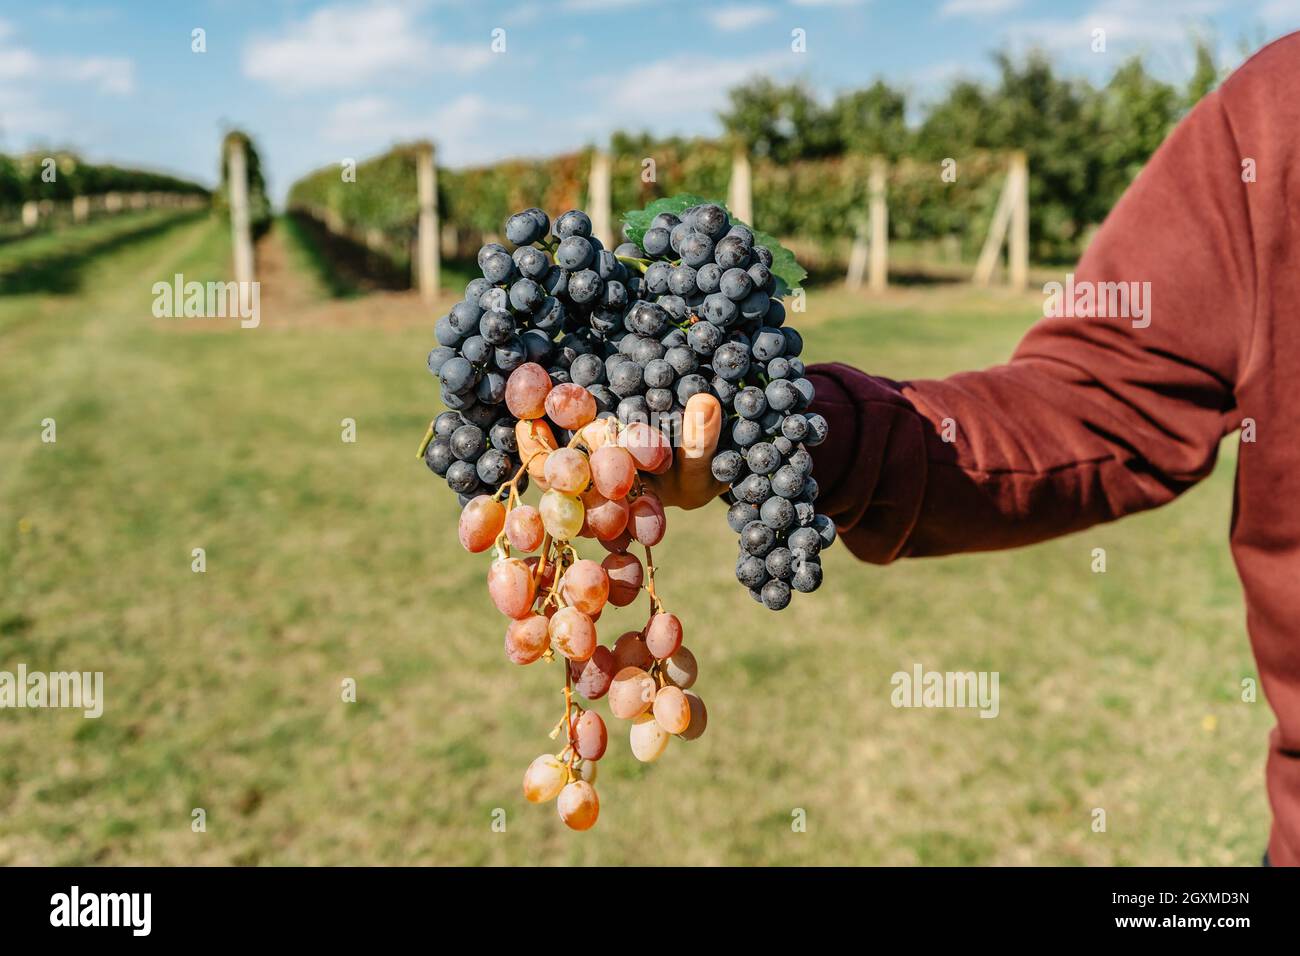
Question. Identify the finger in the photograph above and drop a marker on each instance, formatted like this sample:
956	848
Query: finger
701	428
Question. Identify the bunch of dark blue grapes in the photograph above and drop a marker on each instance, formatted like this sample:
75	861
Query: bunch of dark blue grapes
552	299
689	309
737	346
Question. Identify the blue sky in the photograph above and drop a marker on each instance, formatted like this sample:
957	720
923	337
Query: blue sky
316	82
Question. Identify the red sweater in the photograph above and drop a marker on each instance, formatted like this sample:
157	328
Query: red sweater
1096	418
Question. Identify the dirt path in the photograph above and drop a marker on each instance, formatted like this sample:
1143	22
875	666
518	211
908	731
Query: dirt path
291	297
286	288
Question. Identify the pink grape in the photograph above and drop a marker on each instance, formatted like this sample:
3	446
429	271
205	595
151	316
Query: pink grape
537	470
573	633
535	440
682	668
567	471
597	434
646	520
606	518
480	523
613	471
570	406
630	651
524	528
578	805
647	445
632	693
532	437
561	514
592	677
672	710
544	779
648	739
699	716
510	585
626	575
617	545
586	586
526	391
663	635
527	639
589	732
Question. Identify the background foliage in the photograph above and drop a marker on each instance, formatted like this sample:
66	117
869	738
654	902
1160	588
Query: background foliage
20	179
810	158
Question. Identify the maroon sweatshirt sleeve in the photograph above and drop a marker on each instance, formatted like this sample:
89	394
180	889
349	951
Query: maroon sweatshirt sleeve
1093	418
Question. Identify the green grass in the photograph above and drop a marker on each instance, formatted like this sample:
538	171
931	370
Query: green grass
54	260
328	561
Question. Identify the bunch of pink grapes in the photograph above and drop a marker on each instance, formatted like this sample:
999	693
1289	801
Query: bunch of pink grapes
590	488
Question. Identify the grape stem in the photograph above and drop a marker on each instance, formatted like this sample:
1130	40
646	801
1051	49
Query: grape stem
568	722
512	486
424	444
541	564
656	606
640	265
563	557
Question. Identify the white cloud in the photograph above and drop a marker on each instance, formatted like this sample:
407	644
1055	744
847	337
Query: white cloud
109	73
18	64
21	116
1282	13
599	6
346	44
740	16
106	74
828	3
1130	24
26	74
976	8
466	128
686	87
364	120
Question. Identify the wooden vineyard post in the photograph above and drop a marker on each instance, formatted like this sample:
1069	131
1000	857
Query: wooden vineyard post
240	231
740	193
598	195
858	254
878	270
1018	244
428	269
1012	213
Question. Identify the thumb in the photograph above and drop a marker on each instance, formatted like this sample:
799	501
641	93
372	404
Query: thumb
701	427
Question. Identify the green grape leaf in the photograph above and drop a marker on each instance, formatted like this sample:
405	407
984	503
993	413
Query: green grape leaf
637	221
785	268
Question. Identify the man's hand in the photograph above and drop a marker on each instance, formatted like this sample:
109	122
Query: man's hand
690	482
